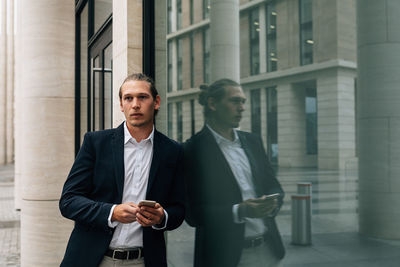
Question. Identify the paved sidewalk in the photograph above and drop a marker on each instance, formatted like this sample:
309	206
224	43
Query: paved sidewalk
9	220
336	242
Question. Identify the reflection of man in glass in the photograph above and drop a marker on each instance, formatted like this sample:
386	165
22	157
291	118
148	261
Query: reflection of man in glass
228	180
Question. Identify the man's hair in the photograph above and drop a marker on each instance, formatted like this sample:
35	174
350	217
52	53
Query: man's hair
216	90
141	77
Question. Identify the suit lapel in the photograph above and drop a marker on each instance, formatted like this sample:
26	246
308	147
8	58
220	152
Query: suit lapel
217	155
118	158
155	162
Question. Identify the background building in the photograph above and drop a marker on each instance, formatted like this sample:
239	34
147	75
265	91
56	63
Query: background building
298	70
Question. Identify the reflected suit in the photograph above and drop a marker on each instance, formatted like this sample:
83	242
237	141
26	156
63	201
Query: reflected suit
212	190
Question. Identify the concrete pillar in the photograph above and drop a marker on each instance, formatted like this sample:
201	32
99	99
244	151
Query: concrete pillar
336	120
224	40
127	47
378	117
161	62
3	80
47	126
18	152
10	84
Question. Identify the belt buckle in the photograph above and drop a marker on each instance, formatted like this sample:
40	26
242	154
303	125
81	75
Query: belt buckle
118	250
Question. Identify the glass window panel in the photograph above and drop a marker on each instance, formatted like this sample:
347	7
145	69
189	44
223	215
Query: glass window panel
96	94
254	41
306	32
170	16
83	72
179	121
192	53
102	10
311	121
272	125
178	14
255	112
108	87
170	120
170	66
179	69
206	55
206	8
272	54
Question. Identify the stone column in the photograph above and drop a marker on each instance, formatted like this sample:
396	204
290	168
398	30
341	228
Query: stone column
336	120
3	80
224	40
18	152
378	117
127	47
47	126
10	84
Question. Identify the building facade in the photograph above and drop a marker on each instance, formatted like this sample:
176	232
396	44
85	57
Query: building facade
297	68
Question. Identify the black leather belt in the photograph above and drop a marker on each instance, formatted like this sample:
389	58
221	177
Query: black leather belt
121	254
255	242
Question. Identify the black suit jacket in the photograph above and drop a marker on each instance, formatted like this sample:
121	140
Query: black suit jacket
96	182
212	190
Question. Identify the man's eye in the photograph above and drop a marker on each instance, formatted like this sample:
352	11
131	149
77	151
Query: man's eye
129	98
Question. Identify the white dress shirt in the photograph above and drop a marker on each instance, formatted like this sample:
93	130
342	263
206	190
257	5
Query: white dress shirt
137	162
240	166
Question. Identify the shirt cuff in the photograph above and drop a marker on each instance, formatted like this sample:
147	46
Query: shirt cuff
164	225
235	213
110	223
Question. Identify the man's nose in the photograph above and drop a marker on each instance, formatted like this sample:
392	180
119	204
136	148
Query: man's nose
135	103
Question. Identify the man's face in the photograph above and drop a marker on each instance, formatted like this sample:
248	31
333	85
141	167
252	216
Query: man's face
137	103
228	111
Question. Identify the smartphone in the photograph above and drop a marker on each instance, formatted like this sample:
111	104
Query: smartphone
271	196
148	203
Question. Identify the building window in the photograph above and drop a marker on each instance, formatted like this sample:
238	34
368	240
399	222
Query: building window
179	64
206	9
254	24
272	125
192	116
272	57
170	16
102	11
170	67
169	114
191	12
255	112
311	121
306	32
179	122
192	60
178	14
206	55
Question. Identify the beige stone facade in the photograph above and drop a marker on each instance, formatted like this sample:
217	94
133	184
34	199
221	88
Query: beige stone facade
332	74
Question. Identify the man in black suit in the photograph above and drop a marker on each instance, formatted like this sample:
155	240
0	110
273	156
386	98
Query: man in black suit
228	178
114	170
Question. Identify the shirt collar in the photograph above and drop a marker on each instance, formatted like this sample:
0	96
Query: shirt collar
128	136
220	139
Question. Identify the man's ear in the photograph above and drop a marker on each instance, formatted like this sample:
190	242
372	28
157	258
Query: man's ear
120	105
211	104
157	102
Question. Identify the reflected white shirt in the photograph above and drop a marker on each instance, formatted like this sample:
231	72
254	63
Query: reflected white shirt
137	162
240	166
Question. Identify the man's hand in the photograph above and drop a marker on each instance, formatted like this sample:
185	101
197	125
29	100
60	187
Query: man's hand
125	213
149	216
257	208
